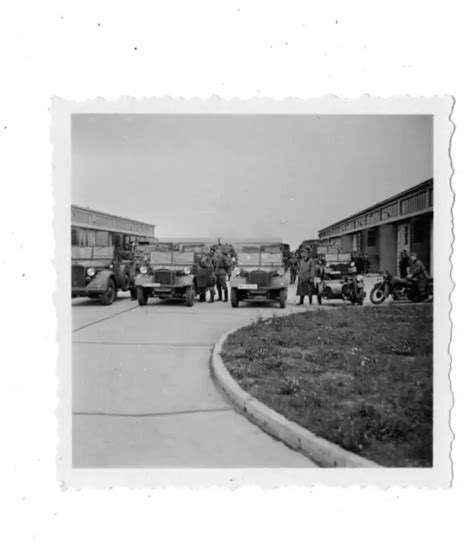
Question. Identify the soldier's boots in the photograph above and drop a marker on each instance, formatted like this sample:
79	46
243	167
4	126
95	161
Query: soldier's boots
225	295
219	293
212	294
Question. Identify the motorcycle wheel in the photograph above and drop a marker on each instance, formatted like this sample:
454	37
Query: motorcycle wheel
377	295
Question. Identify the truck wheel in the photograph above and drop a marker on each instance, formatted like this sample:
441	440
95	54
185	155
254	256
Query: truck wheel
189	296
234	299
142	296
108	297
283	297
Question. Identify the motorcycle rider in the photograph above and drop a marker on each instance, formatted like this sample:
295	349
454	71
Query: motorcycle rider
418	276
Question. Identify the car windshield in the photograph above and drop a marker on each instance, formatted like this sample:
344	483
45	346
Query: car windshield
92	252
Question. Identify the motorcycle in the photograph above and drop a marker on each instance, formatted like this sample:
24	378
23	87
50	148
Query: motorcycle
400	289
353	289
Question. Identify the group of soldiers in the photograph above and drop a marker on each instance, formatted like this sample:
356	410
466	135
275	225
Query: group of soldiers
212	271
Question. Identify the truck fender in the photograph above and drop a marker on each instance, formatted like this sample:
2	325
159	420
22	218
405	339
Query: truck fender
141	279
99	282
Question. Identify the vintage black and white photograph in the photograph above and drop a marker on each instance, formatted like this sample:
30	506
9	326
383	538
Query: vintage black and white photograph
255	290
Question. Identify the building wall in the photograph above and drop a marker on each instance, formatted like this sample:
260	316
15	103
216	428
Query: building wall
346	243
369	249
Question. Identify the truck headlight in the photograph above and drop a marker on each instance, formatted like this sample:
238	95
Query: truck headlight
280	272
186	270
236	271
143	269
90	271
359	278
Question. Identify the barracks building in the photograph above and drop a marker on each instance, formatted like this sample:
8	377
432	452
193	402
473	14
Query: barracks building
381	232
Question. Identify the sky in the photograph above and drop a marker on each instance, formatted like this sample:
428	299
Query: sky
241	176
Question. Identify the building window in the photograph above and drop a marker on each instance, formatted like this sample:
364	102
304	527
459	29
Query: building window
371	237
406	235
90	237
102	238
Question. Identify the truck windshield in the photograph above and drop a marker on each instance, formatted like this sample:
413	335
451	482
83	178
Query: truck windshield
260	258
171	258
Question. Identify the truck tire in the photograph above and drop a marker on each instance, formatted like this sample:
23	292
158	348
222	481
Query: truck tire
142	296
234	298
189	296
283	297
108	297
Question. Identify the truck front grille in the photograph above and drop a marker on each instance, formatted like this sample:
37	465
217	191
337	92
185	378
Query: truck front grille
164	276
78	278
261	278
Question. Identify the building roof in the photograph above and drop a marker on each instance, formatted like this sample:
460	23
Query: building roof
102	213
397	196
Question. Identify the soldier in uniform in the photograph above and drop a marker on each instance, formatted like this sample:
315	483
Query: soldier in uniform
205	278
222	264
293	268
418	275
306	274
404	264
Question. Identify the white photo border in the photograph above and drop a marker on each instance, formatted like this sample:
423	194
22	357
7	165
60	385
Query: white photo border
440	475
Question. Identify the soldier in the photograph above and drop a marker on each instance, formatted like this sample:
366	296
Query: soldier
319	280
293	268
306	274
418	275
205	278
222	265
404	263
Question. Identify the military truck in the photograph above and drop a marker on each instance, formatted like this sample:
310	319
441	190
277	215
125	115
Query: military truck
259	274
168	274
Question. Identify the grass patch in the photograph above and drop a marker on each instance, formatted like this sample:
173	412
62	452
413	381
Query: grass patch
359	377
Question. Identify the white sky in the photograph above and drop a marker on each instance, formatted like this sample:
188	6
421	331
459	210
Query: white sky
245	175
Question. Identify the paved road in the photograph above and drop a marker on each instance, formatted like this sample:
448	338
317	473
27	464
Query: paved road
143	395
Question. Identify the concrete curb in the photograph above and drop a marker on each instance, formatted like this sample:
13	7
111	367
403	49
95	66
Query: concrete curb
319	450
